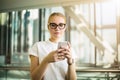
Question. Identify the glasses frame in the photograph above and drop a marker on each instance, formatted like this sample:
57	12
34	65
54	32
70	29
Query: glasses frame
57	25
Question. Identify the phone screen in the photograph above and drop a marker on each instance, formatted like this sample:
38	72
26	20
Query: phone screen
62	44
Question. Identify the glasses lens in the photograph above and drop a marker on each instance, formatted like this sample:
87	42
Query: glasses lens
53	25
61	25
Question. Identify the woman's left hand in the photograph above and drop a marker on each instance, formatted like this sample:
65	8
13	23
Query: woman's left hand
67	52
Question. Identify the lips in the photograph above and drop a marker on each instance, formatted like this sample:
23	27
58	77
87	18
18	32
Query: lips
57	33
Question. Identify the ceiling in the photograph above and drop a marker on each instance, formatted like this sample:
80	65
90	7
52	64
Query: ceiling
10	5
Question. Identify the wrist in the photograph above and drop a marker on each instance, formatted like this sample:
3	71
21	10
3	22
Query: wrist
46	60
70	61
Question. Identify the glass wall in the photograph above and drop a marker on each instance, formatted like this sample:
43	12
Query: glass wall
19	30
92	43
101	22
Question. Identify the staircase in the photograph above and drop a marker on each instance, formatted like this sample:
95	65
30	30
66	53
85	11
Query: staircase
101	45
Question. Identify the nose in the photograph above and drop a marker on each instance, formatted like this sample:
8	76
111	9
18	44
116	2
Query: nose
57	28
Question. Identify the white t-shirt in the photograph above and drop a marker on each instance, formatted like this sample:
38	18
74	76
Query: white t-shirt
55	70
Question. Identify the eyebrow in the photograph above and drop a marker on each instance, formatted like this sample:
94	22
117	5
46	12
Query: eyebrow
56	23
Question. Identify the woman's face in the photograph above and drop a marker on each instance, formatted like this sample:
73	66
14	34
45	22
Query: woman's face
56	27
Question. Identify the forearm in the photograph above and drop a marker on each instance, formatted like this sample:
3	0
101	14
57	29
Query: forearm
71	74
39	72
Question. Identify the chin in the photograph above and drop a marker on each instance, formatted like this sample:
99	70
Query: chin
58	36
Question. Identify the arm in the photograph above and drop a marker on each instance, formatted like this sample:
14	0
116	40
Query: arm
71	74
37	70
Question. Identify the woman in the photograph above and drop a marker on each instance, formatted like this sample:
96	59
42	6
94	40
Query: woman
48	62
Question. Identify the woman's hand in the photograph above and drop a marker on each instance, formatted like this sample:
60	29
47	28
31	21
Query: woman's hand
55	56
60	54
67	53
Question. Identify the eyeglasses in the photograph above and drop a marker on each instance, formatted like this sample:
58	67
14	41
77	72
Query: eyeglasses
54	25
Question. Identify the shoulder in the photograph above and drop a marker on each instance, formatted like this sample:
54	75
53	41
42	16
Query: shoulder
39	43
36	47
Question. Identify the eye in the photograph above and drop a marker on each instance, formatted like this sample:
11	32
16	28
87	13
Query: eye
61	24
53	24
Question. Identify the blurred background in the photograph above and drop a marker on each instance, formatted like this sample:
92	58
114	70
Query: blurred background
93	29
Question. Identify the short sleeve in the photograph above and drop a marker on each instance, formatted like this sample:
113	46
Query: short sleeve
34	50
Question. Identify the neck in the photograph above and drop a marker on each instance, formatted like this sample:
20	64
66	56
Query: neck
54	40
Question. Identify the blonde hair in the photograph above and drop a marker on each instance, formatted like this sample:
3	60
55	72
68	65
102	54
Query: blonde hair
56	14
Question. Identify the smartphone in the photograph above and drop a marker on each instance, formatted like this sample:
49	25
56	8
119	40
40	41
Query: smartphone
63	44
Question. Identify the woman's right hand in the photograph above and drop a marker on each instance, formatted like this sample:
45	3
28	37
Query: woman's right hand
55	56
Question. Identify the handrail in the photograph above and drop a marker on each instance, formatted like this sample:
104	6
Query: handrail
111	70
25	68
